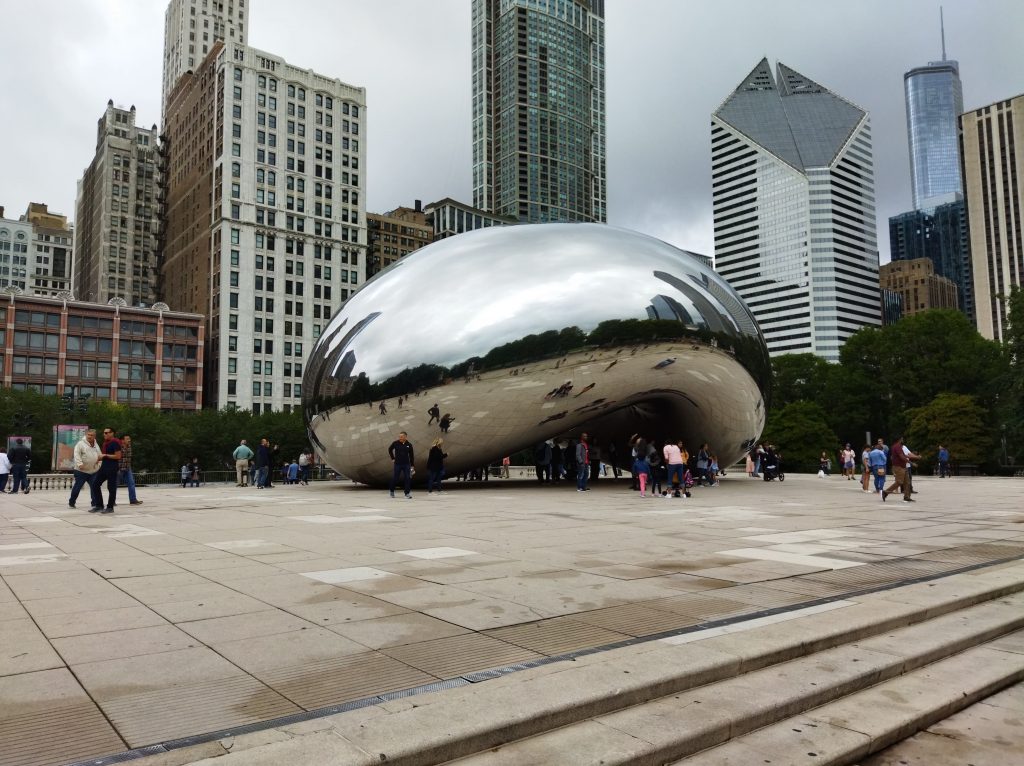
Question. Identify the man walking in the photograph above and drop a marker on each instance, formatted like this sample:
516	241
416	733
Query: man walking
582	463
20	456
900	463
305	461
126	469
110	461
401	454
242	456
943	462
86	464
435	414
262	463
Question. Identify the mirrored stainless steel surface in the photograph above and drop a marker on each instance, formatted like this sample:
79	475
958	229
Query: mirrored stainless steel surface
525	333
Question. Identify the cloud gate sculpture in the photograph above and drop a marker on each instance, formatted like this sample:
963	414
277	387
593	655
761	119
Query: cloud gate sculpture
498	339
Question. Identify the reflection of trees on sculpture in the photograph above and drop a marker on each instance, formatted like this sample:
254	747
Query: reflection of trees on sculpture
539	347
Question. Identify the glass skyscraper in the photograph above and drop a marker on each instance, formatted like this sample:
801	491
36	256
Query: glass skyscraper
937	226
539	109
934	101
940	235
794	205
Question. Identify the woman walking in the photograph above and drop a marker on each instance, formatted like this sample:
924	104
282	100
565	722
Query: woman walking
435	465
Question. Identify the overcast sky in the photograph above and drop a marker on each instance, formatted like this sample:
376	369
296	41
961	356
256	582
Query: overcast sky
669	64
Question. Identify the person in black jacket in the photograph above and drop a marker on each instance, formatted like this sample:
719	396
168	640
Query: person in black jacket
20	457
435	465
401	455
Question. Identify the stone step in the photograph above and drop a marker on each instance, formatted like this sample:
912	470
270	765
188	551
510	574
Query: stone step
758	672
850	729
677	725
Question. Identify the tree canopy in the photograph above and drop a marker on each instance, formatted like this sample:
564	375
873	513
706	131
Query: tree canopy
894	378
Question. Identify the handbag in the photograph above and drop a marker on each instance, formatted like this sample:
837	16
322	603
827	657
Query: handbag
821	474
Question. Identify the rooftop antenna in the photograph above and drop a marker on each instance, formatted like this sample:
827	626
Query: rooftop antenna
942	27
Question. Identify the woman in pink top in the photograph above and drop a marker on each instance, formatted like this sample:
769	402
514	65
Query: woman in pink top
674	462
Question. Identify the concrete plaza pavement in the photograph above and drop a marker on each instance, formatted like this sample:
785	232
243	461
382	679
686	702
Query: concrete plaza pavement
213	608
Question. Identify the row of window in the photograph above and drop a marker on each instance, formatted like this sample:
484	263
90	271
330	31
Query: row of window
266	388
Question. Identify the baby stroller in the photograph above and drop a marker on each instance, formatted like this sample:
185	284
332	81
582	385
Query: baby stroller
773	469
683	489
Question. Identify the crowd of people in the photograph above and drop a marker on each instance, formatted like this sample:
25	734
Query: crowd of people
875	463
666	469
255	468
103	463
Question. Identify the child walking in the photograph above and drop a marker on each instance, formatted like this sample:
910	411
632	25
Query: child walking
642	469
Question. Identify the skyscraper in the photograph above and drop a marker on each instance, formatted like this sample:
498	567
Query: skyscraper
992	151
539	109
36	251
794	208
265	232
117	214
940	235
934	100
191	27
937	226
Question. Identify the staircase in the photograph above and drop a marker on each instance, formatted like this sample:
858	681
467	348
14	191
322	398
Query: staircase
828	685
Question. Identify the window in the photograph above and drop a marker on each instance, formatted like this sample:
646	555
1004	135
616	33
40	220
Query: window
257	367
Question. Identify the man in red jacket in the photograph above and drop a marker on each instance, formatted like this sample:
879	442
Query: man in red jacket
900	460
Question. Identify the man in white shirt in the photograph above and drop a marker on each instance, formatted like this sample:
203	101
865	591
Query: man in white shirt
5	468
87	464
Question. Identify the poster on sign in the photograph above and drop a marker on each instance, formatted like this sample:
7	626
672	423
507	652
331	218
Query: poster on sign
65	437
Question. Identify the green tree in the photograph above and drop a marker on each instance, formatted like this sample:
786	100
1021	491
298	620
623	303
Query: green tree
800	430
918	358
799	378
1010	409
955	421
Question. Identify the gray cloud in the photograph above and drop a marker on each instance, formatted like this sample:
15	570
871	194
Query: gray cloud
670	64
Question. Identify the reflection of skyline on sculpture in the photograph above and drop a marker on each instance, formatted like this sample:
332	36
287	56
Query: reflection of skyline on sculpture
469	317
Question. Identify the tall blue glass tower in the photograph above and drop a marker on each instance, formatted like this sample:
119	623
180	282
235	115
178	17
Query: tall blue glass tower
934	101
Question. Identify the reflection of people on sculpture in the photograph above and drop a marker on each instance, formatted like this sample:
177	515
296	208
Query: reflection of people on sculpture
383	408
585	389
562	390
401	455
446	422
435	414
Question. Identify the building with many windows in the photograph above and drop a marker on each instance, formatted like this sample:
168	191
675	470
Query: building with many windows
117	213
36	251
940	235
992	152
539	109
191	27
937	226
935	99
395	234
918	285
139	357
265	224
794	210
450	217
